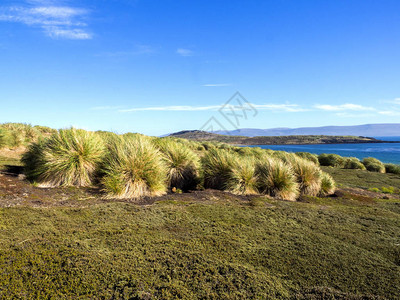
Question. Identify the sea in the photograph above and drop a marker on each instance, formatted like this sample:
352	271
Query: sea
385	152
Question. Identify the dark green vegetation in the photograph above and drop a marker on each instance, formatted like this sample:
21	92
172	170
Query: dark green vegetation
272	140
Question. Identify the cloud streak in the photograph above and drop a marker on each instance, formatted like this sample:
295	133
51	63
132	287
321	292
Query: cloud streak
343	107
64	22
270	107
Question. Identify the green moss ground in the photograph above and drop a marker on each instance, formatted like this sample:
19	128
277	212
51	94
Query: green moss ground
226	249
206	247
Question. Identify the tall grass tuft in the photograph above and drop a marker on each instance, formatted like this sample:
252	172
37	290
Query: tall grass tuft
34	160
392	168
133	168
353	163
67	158
307	173
374	165
3	141
183	165
331	160
308	156
223	170
328	185
217	167
243	179
277	179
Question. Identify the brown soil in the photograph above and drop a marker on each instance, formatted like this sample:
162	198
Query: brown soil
16	191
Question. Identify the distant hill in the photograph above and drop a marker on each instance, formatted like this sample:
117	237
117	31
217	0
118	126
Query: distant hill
198	135
358	130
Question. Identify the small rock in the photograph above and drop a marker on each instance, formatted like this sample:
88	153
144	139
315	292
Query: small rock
21	176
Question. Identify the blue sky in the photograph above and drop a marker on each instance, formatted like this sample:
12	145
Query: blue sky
159	66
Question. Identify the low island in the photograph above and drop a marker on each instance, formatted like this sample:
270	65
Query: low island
198	135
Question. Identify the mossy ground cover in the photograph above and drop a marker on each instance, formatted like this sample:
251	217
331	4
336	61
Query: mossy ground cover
222	247
71	244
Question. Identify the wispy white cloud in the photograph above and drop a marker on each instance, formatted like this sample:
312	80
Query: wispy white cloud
391	113
281	107
55	21
184	52
354	115
343	107
72	34
271	107
217	84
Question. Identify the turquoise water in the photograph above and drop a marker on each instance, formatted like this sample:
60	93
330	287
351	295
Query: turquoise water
385	152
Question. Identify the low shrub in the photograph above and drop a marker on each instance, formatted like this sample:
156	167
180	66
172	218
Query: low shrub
277	179
67	158
353	163
132	168
388	190
375	190
392	168
331	160
374	165
183	165
328	185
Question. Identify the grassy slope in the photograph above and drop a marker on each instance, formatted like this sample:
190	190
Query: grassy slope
362	179
220	246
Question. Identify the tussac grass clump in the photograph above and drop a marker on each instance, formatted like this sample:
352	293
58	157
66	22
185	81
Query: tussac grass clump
133	168
223	170
243	179
277	179
392	168
68	158
134	165
3	142
217	168
183	165
19	134
374	165
331	160
328	185
308	156
353	163
308	175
